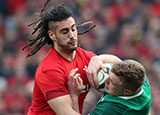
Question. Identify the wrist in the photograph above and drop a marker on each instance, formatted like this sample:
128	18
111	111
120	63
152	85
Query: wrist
74	97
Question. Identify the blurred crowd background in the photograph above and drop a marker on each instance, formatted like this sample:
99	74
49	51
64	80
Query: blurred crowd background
126	28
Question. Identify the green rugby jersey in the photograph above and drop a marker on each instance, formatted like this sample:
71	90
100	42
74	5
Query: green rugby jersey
138	104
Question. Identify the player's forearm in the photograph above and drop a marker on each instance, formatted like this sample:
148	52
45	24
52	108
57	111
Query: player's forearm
88	107
91	100
75	103
107	58
62	105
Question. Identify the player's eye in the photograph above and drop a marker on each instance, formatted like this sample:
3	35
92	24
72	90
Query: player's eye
73	28
65	31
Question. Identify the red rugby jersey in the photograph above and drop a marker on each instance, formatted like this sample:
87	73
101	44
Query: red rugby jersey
51	79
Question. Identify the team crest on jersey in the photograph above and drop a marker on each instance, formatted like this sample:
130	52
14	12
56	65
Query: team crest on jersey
85	68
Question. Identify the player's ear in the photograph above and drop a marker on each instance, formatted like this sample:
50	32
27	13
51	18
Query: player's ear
51	34
127	92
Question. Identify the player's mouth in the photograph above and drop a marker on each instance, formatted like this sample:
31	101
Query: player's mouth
72	42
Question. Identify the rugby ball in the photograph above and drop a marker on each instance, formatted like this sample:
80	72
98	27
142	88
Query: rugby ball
102	76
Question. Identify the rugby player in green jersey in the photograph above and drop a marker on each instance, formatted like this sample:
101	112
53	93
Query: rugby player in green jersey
128	91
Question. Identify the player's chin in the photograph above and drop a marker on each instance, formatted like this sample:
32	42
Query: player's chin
73	48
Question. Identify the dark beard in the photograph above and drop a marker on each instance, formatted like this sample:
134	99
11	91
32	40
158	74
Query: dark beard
70	50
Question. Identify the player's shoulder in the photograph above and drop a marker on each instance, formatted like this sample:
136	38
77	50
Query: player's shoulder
109	108
50	61
84	52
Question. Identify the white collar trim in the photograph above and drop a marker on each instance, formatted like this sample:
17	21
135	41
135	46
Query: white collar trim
130	97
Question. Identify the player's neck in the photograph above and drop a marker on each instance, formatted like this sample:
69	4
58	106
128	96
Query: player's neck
68	55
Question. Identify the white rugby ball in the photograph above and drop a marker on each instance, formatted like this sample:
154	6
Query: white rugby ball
102	76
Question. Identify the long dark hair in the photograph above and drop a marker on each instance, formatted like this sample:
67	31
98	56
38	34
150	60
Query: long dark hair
58	13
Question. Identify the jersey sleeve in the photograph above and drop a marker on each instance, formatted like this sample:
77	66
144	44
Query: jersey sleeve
52	84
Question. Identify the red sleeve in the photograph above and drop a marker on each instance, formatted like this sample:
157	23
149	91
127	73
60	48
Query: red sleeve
52	84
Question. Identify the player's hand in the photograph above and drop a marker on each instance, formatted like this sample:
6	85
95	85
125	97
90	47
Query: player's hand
94	66
75	83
